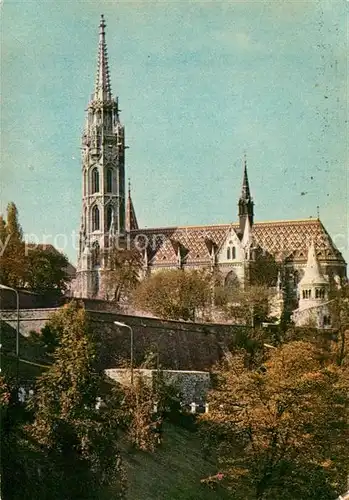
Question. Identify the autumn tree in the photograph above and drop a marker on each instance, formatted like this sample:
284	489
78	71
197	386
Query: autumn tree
175	294
79	457
125	266
281	429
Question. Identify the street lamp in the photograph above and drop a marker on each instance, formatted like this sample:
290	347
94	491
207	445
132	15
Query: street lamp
4	287
118	323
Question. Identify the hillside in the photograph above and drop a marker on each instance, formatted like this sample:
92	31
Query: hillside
173	472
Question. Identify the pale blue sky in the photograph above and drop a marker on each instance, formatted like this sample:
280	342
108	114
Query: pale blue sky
198	84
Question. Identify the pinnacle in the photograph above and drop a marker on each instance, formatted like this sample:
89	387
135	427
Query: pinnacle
102	87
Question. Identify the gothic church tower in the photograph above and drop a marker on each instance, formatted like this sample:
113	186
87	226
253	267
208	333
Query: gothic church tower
103	173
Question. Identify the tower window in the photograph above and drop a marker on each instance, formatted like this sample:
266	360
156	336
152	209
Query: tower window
95	180
231	252
327	320
95	254
95	218
109	180
109	216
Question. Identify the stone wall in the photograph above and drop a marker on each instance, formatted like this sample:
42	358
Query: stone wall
180	345
192	385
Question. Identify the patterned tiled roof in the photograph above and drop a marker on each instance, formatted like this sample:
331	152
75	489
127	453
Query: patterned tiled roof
285	240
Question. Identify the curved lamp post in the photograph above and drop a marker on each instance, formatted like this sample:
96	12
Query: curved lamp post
4	287
118	323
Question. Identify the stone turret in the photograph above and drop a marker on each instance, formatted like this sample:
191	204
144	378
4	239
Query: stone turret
313	287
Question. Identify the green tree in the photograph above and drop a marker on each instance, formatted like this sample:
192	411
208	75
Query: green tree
125	266
175	294
12	256
78	456
249	305
46	272
281	429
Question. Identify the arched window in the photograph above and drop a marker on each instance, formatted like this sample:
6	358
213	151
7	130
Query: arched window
233	253
95	254
228	253
109	180
109	216
95	180
95	218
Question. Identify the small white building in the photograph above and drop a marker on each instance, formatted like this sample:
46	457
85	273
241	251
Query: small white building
313	291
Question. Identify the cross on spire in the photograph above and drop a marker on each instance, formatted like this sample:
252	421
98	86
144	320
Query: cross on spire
102	86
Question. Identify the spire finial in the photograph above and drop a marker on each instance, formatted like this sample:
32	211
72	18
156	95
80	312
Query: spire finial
129	187
102	87
318	212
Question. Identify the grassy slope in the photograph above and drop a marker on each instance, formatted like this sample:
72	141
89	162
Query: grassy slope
173	472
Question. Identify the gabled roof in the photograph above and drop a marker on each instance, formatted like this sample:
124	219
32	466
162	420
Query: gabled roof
287	239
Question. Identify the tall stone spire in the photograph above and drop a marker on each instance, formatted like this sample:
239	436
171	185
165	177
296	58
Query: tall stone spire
131	219
102	88
245	201
103	181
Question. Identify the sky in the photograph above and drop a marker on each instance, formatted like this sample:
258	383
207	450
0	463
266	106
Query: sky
199	84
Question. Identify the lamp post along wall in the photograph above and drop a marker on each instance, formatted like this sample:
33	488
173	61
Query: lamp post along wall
118	323
4	287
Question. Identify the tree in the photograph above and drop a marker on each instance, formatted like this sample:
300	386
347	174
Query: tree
125	266
282	429
249	305
12	256
46	272
77	443
175	294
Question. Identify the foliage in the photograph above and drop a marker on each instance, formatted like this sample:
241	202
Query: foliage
263	269
12	255
46	272
74	443
282	428
175	294
41	270
249	305
125	266
137	414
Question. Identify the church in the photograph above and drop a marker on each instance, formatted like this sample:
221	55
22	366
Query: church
305	261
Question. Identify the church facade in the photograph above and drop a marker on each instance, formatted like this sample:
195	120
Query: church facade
289	248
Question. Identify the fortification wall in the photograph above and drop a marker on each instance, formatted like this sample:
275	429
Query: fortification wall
180	345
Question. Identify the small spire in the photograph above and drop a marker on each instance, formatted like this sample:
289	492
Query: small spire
131	219
312	273
102	87
245	192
